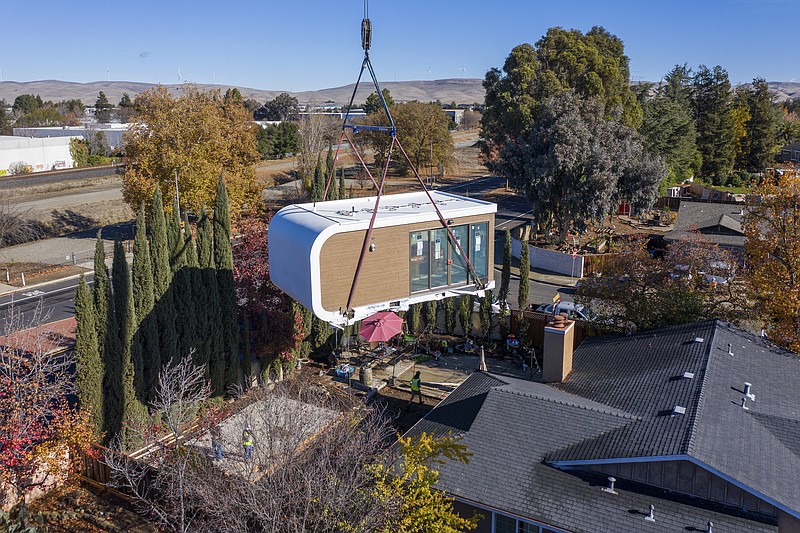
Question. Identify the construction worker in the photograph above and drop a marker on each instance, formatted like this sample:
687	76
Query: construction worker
247	443
415	389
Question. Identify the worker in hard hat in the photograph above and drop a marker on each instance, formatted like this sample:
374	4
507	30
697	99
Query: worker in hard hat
247	443
416	389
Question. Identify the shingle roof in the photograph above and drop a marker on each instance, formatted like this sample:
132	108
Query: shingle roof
696	216
513	425
617	404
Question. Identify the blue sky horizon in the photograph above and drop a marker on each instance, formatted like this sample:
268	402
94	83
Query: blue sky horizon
311	45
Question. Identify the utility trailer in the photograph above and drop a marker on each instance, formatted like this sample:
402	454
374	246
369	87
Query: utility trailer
314	252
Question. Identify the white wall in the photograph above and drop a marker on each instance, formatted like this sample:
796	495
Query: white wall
40	154
550	260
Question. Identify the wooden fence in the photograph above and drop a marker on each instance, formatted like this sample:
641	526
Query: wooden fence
532	324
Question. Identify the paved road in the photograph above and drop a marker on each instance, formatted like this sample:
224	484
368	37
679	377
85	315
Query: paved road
40	178
57	300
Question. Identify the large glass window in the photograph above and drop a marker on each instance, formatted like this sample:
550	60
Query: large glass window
504	524
478	250
435	260
458	266
439	258
420	262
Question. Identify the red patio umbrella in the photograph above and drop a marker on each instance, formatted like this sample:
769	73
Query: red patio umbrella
380	327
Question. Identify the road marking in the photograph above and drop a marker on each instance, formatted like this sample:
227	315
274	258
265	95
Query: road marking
513	219
33	293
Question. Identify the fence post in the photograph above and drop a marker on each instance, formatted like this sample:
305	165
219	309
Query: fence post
73	258
23	278
8	276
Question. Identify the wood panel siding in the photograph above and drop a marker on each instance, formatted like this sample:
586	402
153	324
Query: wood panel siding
385	274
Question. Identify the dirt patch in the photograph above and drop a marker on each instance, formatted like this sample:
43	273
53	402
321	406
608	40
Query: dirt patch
35	273
76	508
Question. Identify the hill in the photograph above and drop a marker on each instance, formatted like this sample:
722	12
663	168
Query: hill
462	91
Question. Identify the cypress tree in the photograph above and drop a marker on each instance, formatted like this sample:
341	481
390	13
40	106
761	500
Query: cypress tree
413	317
194	293
208	312
316	190
159	247
505	276
333	190
89	365
182	287
465	314
223	258
113	398
450	314
524	273
342	189
429	309
102	288
162	278
145	345
125	320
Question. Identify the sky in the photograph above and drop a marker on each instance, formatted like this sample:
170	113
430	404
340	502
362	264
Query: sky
299	45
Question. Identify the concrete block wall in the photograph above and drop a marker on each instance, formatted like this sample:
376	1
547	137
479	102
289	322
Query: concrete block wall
551	260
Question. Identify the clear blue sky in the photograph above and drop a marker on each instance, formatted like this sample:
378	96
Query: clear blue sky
306	45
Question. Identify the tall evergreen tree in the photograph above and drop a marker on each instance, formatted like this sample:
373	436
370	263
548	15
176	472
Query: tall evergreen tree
524	273
145	352
465	314
430	309
332	190
342	189
208	311
89	365
505	276
162	279
126	322
761	128
113	397
223	258
182	286
194	280
413	317
450	315
102	288
317	186
712	110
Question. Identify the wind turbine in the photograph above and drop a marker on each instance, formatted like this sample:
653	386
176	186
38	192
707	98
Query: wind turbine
180	78
108	73
463	72
429	73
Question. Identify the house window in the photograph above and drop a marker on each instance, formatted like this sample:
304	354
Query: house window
508	524
435	260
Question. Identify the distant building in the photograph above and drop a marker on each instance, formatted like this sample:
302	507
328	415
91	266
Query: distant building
720	224
113	132
789	153
34	154
456	115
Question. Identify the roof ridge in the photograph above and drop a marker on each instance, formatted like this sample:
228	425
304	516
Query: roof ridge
697	403
610	411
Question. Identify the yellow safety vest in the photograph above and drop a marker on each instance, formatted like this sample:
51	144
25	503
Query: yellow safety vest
415	384
247	439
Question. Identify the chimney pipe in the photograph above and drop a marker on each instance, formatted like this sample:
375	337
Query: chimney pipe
730	349
744	404
747	392
559	336
610	488
710	525
650	517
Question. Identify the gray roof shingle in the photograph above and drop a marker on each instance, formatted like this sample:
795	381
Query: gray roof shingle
616	404
720	223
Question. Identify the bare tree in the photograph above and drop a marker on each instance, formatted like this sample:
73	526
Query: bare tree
316	131
160	475
15	227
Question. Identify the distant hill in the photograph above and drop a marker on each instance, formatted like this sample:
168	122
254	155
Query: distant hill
461	91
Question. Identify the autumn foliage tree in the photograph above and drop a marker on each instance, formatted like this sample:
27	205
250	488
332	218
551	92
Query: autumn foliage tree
196	136
772	226
39	430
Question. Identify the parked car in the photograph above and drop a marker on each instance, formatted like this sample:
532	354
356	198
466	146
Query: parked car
573	310
497	307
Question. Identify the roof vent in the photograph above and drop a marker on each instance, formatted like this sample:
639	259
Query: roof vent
678	410
748	392
698	340
744	404
650	517
730	349
610	488
687	375
710	528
